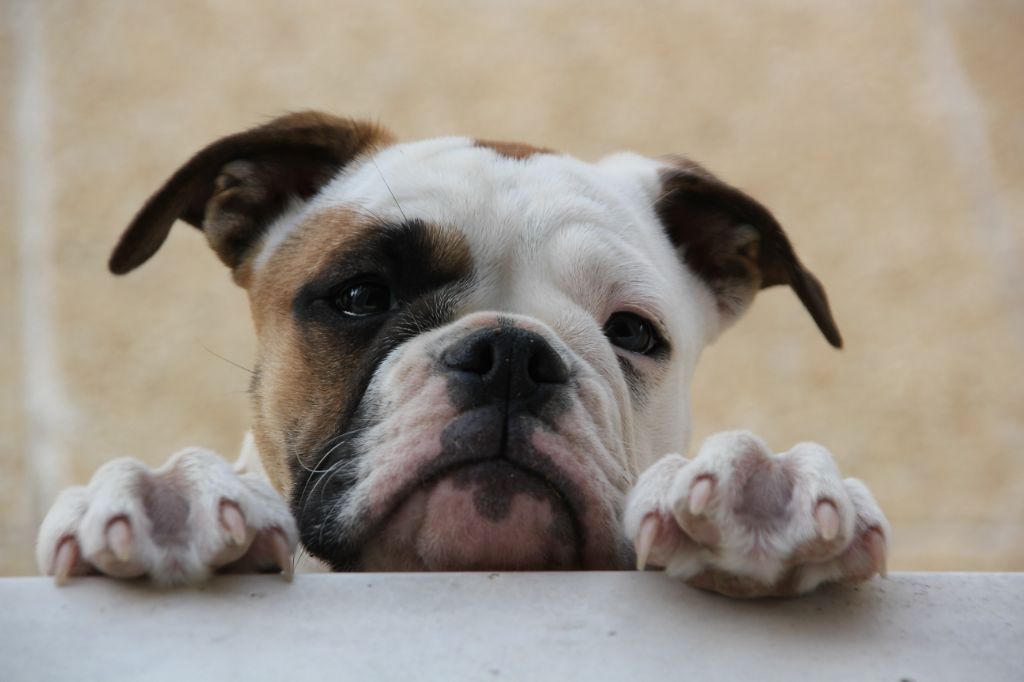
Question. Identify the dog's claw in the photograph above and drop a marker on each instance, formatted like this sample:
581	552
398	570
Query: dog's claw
876	546
64	560
826	519
233	522
700	495
282	553
645	537
119	539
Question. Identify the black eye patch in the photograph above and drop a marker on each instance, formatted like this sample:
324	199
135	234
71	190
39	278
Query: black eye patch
396	282
390	268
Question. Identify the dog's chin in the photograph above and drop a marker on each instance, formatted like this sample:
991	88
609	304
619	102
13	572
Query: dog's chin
484	516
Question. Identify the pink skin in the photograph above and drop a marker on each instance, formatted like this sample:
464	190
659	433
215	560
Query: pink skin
439	528
408	440
574	451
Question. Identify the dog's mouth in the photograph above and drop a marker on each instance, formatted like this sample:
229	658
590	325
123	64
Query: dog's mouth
491	489
488	515
490	500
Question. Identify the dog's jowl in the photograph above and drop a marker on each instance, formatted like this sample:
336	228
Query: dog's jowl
474	356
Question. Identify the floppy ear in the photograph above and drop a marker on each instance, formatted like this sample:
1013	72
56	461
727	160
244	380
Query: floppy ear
734	244
234	188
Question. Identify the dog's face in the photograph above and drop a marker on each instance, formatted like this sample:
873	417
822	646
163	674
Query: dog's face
468	351
463	355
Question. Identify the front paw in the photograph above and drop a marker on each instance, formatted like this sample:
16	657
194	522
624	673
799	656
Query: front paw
177	524
742	521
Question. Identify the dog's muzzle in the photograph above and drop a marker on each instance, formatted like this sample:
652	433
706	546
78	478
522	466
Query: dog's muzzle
492	498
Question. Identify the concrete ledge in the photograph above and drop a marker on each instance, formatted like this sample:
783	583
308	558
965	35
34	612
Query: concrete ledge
526	626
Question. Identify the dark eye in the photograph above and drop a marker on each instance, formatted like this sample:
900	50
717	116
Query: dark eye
364	299
631	332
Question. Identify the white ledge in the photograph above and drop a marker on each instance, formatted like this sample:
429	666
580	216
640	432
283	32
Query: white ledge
508	626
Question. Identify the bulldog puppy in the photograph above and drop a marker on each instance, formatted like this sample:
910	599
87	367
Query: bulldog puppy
474	356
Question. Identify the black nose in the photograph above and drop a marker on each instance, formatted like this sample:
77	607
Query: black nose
505	363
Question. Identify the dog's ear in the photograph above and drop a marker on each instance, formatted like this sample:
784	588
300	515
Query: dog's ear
734	243
234	188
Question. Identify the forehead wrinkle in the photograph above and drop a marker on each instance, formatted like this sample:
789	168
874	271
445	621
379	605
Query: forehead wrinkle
513	202
450	180
516	218
604	271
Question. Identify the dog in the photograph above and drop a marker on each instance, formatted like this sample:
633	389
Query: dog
474	355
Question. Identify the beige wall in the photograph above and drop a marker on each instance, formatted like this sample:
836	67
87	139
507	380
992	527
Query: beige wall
887	136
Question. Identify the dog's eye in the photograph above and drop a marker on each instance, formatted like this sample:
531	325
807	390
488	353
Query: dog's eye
631	332
363	299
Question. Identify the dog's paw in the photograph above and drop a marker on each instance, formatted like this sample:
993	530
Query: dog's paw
177	524
742	521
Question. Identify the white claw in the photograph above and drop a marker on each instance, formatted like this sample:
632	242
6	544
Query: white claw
700	495
826	518
282	553
233	522
119	539
876	546
64	560
645	537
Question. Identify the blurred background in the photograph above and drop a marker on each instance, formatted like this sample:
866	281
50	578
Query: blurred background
888	137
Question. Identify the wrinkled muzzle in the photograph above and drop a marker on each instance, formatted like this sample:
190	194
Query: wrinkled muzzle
491	448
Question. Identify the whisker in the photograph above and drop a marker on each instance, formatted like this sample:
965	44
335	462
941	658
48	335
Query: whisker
325	476
406	219
230	362
304	495
330	443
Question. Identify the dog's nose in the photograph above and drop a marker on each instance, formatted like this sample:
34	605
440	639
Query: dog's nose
505	363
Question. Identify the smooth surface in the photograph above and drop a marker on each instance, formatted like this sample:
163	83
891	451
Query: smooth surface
526	626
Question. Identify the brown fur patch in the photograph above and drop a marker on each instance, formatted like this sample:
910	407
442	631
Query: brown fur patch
288	389
310	380
513	150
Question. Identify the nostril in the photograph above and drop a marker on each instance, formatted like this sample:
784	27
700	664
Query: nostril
546	367
476	357
504	362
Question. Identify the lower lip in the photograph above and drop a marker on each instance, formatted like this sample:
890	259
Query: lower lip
485	516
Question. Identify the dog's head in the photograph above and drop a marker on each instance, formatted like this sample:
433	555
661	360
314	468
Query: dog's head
468	350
